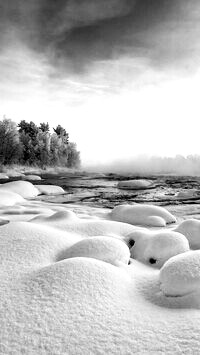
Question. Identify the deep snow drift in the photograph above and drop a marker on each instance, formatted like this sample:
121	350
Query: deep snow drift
66	286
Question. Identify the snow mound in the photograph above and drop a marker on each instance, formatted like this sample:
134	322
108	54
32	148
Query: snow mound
3	176
22	188
134	184
26	245
68	221
180	275
9	198
56	218
145	215
32	177
155	248
15	174
50	190
191	229
110	250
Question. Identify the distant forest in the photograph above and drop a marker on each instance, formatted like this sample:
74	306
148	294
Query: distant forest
29	144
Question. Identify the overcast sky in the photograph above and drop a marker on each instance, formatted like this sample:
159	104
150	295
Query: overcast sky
122	76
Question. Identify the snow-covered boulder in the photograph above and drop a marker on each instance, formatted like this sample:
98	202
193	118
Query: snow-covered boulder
50	190
15	174
191	229
32	177
180	275
155	248
145	215
3	176
110	250
134	184
9	198
22	188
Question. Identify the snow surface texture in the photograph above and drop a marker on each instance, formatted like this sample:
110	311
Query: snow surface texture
191	229
155	248
134	184
181	274
83	305
110	250
50	189
144	215
22	188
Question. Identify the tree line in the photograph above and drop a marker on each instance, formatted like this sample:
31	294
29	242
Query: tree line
29	144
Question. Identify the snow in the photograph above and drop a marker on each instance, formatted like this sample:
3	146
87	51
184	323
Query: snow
144	215
110	250
22	188
50	189
84	227
156	247
135	184
181	275
83	305
191	229
3	176
32	177
9	198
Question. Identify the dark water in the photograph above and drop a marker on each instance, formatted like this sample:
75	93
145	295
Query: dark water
101	190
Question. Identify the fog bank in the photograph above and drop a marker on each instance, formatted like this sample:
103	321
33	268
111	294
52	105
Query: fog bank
178	165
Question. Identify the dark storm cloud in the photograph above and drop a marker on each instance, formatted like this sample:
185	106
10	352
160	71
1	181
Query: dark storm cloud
74	34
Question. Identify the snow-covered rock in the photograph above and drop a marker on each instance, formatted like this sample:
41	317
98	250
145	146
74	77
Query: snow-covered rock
180	275
9	198
22	188
110	250
32	177
155	248
3	176
50	190
145	215
135	184
191	229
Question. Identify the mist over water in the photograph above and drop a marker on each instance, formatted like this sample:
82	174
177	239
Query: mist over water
144	165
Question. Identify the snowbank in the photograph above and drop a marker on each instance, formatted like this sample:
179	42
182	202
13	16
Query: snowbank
22	188
135	184
145	215
155	248
50	189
